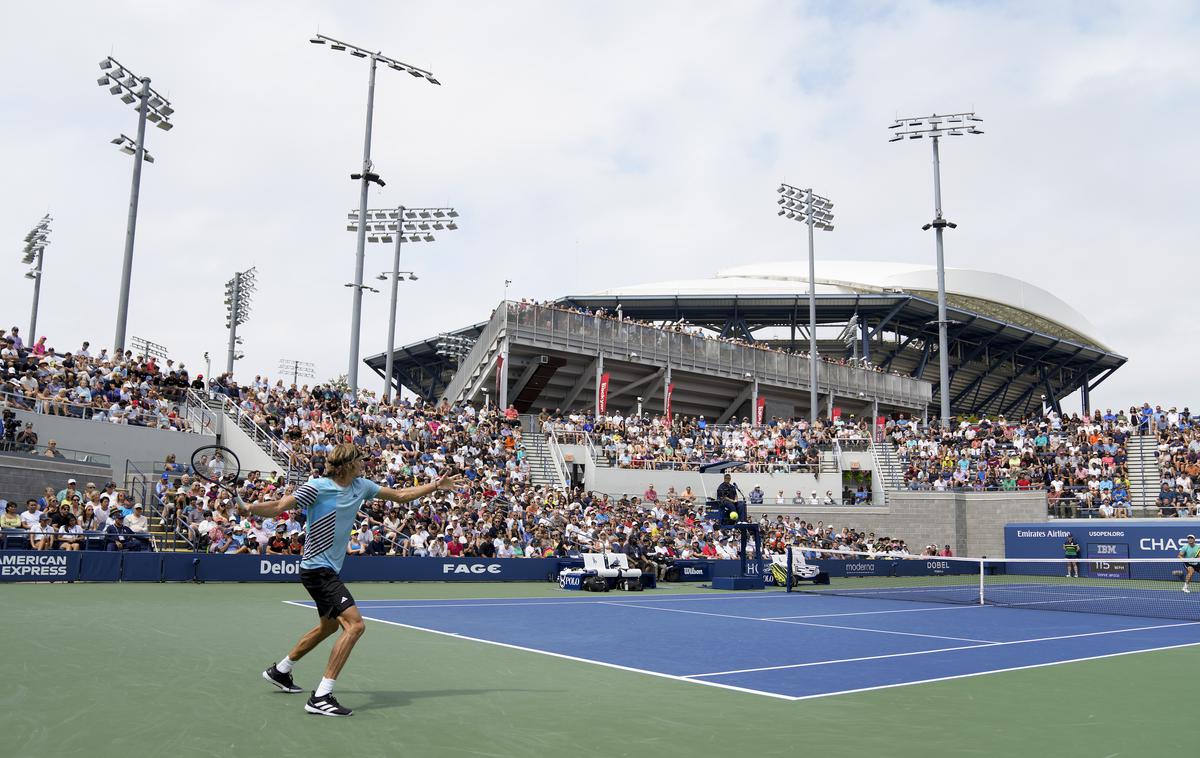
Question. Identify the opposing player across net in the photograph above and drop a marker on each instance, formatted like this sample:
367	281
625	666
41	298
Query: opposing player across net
1146	587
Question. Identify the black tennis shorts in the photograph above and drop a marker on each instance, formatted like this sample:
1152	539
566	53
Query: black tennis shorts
327	591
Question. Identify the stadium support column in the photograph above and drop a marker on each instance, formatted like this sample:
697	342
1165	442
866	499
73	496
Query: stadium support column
1084	396
502	379
667	391
754	401
599	373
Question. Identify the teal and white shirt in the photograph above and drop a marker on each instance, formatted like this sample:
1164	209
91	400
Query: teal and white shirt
331	510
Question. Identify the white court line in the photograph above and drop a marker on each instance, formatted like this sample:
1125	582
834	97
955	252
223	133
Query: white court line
804	623
570	657
874	613
961	647
993	671
482	602
692	680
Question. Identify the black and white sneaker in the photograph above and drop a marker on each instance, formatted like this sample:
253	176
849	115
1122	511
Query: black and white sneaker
326	705
281	680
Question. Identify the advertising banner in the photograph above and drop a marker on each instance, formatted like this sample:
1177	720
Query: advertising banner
760	409
39	566
603	402
1111	539
670	391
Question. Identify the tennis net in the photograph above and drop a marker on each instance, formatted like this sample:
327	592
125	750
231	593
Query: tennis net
1147	587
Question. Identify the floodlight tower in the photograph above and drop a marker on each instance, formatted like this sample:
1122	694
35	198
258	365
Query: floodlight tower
405	225
296	368
815	212
365	176
935	127
32	254
152	107
238	292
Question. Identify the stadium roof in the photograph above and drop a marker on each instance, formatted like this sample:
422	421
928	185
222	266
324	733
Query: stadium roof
1011	343
1005	297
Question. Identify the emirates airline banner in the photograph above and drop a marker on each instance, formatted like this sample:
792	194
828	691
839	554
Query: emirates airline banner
760	409
603	402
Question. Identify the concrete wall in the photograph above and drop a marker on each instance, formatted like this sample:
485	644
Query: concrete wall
971	523
120	442
634	481
250	455
25	476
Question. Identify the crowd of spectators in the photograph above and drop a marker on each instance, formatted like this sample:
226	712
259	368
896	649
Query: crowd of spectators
75	518
685	443
1080	461
683	327
119	389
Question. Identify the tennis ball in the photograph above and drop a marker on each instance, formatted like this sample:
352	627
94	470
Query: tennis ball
733	515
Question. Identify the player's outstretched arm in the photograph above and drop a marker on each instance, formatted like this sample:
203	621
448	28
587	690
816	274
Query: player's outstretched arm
268	508
412	493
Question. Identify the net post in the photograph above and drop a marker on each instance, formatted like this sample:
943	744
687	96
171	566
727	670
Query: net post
981	573
788	583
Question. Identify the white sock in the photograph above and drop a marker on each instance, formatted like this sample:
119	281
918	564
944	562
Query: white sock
325	687
285	666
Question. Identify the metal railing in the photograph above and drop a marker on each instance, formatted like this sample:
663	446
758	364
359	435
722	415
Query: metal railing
553	327
556	460
179	398
19	539
60	453
470	366
279	451
579	437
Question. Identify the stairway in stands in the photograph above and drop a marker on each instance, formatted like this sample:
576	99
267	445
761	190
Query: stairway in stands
537	453
887	465
1145	477
268	443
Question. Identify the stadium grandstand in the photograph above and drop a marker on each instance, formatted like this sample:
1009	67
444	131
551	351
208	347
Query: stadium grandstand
1014	347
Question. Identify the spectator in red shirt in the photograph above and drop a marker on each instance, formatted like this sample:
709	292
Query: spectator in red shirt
946	553
454	548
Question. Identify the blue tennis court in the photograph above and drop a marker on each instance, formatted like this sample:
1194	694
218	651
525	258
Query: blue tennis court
791	646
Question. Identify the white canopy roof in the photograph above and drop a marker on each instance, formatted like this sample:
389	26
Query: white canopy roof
839	277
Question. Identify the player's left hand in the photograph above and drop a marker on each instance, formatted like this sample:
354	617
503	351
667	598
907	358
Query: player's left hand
449	482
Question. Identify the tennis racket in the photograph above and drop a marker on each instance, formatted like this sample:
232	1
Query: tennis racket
218	465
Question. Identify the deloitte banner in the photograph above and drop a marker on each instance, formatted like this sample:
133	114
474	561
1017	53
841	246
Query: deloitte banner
1110	539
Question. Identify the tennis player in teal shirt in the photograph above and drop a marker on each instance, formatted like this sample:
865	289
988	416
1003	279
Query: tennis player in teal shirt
1190	553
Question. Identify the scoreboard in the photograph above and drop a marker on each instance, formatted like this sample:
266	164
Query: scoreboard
1104	560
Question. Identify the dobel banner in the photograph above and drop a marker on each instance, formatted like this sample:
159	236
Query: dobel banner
670	391
603	402
760	409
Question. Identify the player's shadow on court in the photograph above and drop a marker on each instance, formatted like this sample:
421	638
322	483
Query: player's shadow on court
398	698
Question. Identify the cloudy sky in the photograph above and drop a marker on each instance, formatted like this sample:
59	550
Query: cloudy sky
591	145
